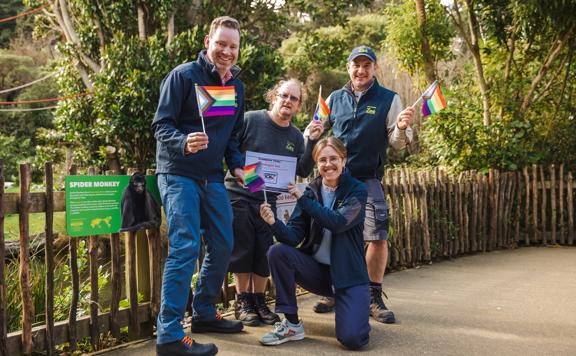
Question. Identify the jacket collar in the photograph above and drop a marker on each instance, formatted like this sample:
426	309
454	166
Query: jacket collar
211	67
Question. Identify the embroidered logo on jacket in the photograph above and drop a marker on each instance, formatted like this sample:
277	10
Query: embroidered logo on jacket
290	146
371	110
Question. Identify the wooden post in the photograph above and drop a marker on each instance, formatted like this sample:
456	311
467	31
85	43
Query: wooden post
25	292
73	250
543	206
93	270
424	217
535	202
407	216
3	314
49	258
570	203
475	202
492	179
527	207
553	220
396	214
115	280
134	329
518	207
561	204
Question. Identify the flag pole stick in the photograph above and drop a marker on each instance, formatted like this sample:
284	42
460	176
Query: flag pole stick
200	109
417	101
265	199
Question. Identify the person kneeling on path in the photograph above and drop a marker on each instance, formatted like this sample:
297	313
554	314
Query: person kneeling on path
327	226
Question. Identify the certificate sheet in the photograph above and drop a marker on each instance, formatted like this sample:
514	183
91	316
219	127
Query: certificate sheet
277	171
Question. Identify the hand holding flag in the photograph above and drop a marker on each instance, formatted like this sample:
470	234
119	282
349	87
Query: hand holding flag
433	100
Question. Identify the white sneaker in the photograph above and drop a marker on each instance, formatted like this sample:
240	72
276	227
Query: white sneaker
283	332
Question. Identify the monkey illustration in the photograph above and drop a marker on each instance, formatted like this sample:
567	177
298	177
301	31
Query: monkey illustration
139	209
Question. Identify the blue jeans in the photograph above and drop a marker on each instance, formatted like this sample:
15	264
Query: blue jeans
289	266
187	204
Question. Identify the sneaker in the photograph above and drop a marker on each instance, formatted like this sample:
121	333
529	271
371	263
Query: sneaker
264	313
378	309
283	332
219	325
184	347
324	305
245	310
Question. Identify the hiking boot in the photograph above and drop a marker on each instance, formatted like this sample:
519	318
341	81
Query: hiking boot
185	347
265	314
245	310
283	332
219	325
324	305
378	309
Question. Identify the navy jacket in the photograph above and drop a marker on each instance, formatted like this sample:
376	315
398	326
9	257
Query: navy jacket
362	126
177	116
345	221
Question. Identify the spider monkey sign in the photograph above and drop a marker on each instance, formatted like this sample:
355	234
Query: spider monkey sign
107	204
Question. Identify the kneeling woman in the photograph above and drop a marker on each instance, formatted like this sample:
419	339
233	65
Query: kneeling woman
329	261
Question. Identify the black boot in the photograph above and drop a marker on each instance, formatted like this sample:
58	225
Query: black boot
378	309
186	347
245	310
265	314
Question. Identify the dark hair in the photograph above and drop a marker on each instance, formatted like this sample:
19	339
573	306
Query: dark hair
333	142
271	94
223	21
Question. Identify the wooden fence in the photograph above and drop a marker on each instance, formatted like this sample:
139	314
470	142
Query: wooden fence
433	215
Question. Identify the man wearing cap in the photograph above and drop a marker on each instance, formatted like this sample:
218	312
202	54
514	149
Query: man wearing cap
368	117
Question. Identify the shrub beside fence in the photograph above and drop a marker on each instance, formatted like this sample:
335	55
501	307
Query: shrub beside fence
433	215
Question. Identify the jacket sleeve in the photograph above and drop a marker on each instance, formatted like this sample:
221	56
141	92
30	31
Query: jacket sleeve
347	214
305	161
232	155
172	94
293	233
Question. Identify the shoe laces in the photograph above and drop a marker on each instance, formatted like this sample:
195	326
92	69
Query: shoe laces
377	298
279	327
188	341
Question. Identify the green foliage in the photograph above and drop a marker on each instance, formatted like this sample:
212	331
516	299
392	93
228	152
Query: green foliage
405	41
8	8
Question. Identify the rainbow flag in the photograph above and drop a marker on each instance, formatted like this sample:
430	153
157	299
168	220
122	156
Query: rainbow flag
252	177
216	101
433	100
322	109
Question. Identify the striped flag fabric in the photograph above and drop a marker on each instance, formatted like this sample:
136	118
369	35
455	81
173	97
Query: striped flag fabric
216	101
322	109
252	177
433	100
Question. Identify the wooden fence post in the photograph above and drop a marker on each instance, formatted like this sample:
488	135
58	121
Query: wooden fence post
25	292
553	202
3	316
535	202
527	229
561	204
73	251
94	298
49	258
570	209
116	279
543	230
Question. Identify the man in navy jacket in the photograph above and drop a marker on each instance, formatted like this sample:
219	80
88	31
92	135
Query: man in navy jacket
190	179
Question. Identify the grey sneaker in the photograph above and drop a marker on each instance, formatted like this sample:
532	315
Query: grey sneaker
283	332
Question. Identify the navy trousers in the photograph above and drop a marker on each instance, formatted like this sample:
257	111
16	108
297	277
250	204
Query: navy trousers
289	266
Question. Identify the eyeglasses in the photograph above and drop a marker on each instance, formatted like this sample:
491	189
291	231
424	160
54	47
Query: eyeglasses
285	96
334	160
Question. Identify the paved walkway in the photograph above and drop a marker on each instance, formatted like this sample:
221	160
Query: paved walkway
515	302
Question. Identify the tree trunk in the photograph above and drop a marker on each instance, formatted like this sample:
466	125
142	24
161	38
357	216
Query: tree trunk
425	48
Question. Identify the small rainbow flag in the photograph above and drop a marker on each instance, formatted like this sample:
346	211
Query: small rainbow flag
433	100
216	101
252	177
322	109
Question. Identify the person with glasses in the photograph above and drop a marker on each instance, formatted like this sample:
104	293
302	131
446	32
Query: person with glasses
369	118
272	132
322	250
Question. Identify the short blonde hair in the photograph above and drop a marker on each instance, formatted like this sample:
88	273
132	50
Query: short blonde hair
333	142
271	94
223	21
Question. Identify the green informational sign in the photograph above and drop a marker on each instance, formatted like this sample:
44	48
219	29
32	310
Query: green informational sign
93	203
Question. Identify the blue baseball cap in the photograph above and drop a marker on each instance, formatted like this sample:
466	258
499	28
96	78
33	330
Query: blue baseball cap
362	51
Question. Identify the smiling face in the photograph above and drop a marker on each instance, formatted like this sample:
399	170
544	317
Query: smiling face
222	48
361	70
286	104
330	165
